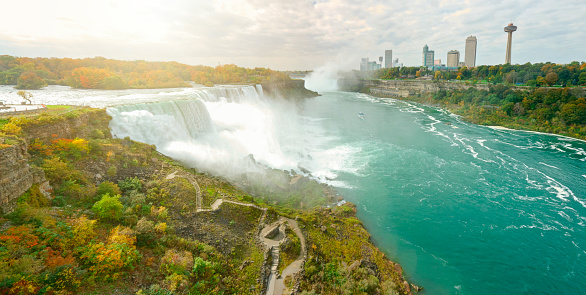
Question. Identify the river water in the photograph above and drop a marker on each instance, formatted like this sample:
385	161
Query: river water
465	209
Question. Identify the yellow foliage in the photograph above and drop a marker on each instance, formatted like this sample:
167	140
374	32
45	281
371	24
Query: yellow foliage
122	235
11	128
83	232
161	227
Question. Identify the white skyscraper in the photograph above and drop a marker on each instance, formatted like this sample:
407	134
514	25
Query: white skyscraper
388	58
453	58
470	58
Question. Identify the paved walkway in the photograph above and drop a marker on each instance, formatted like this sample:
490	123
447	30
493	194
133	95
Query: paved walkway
296	265
275	285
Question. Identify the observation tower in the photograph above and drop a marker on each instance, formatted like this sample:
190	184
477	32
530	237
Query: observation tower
509	29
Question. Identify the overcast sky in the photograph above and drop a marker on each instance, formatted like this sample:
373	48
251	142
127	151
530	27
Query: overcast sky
292	34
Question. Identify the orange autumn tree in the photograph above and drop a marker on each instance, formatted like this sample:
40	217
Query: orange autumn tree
30	80
89	77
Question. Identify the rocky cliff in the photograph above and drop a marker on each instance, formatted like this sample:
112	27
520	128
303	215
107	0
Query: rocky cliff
17	176
69	126
292	89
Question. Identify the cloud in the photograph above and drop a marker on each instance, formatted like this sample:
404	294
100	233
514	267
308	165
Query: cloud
284	34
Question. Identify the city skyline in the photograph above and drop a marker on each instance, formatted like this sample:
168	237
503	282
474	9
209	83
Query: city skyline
287	36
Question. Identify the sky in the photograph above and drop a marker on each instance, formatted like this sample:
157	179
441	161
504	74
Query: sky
292	34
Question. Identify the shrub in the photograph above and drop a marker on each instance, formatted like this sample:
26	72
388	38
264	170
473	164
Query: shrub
200	267
77	192
58	171
108	261
179	262
34	197
82	233
108	187
112	171
176	282
130	184
108	208
11	128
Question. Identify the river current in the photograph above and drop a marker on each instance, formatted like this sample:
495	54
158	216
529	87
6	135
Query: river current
465	209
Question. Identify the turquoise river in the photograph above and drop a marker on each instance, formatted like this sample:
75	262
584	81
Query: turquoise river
465	209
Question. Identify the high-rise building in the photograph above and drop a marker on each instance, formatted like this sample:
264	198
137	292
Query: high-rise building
364	64
470	58
427	59
453	58
372	66
509	30
388	58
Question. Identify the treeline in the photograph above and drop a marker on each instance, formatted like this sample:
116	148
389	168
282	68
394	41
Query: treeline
551	110
538	74
103	73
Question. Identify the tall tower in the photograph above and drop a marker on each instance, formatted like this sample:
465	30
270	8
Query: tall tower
509	30
388	58
470	52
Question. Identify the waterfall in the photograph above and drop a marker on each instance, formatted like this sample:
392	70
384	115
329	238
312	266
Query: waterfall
216	129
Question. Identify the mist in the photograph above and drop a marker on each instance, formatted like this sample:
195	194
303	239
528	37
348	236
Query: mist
232	133
323	79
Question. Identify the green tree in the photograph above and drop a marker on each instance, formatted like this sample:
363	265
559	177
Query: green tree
108	208
551	78
30	80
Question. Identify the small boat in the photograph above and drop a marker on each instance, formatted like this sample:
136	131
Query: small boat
361	115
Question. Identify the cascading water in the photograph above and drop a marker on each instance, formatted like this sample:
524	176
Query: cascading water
217	129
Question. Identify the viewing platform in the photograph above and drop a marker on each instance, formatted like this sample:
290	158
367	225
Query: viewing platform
17	109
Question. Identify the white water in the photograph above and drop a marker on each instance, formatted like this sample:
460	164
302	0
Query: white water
216	129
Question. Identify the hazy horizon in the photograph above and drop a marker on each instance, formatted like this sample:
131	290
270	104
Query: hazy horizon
292	36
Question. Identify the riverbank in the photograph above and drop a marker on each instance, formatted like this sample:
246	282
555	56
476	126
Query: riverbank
487	115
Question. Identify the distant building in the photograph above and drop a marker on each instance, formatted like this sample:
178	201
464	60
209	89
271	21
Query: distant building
388	58
396	63
437	62
364	64
453	58
372	66
461	64
427	59
470	58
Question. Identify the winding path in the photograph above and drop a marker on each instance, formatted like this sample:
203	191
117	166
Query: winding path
275	284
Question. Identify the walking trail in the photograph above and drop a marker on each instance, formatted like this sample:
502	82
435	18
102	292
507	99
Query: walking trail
271	236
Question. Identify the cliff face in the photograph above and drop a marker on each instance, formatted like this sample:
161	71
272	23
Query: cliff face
17	176
75	126
292	89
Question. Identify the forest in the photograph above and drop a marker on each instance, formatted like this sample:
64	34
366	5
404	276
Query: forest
552	110
103	73
538	74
